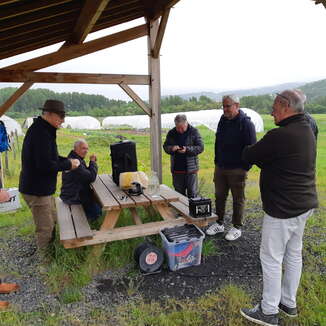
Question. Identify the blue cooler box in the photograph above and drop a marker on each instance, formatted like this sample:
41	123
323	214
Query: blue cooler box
182	245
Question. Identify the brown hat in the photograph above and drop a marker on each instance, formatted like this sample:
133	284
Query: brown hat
54	106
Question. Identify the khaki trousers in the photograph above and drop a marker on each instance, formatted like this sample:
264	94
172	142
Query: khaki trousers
234	180
45	216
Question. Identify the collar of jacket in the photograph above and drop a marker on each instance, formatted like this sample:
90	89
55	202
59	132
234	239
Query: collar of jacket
293	118
73	154
239	116
44	124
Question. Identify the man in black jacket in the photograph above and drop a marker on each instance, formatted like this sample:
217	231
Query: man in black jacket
234	131
75	187
287	158
40	166
184	144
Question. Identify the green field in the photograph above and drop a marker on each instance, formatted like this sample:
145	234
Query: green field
67	273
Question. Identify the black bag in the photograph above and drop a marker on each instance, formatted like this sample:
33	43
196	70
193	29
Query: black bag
124	159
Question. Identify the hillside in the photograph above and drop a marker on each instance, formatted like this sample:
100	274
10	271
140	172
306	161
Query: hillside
314	90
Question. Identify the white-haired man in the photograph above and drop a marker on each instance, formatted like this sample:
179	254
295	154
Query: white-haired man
75	187
287	158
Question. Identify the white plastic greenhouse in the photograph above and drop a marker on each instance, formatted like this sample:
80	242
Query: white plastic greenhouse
28	122
209	118
83	122
11	125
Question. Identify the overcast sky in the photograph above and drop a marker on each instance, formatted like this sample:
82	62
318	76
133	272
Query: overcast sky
213	45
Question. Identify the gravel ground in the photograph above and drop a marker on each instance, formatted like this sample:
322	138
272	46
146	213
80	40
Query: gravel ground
236	262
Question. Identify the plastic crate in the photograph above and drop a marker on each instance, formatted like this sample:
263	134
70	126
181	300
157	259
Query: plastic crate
183	249
13	203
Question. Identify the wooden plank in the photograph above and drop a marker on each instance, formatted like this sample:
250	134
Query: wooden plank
160	34
89	15
135	216
104	196
136	98
126	232
168	194
154	102
76	78
75	51
67	230
82	229
121	197
14	97
154	199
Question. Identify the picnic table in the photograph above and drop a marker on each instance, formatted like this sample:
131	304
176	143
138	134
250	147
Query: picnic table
171	206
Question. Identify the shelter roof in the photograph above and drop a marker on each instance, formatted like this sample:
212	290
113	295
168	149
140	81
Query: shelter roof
27	25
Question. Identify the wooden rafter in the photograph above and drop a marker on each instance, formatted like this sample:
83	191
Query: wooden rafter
160	33
79	50
136	98
90	13
74	78
13	98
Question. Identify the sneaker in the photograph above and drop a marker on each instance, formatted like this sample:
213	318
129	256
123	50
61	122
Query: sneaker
291	312
233	234
258	317
215	228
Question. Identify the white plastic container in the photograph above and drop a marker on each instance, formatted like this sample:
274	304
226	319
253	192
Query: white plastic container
13	203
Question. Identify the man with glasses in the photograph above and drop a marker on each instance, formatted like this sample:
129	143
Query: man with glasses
287	158
40	166
234	132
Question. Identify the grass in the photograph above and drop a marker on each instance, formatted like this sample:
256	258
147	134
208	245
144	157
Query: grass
69	270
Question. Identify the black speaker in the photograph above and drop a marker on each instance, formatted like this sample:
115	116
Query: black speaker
124	158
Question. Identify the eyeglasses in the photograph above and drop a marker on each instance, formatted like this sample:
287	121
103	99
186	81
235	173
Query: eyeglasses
227	106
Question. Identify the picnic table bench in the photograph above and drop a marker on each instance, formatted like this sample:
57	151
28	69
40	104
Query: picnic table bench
172	206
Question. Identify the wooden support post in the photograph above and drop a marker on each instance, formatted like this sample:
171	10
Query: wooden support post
12	144
17	140
6	163
154	100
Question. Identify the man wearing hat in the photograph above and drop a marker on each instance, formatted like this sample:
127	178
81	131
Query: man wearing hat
40	166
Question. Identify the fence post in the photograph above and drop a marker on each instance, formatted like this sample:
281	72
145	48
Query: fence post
16	133
13	143
6	163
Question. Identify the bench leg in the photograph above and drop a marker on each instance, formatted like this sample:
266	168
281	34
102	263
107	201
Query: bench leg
93	261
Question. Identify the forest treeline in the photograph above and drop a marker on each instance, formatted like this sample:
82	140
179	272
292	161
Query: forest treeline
100	106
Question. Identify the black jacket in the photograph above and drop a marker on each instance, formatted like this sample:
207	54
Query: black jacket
40	160
232	136
287	157
194	146
75	187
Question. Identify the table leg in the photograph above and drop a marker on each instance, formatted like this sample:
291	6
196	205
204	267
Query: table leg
165	211
110	220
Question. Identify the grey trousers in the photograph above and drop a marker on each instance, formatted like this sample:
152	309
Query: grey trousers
281	245
186	184
45	216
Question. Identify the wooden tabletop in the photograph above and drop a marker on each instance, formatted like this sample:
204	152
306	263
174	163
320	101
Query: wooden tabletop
112	197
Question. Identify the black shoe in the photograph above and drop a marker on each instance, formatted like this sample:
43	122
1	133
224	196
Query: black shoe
257	316
291	312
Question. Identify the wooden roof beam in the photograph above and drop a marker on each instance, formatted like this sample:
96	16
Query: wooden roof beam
17	76
137	99
159	37
76	51
14	97
90	13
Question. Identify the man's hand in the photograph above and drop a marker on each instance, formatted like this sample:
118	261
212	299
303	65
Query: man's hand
182	149
175	148
4	196
74	163
93	158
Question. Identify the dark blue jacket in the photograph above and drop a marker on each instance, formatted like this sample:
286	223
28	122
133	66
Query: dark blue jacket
232	136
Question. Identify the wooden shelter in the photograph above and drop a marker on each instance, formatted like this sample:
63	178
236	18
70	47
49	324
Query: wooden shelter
27	25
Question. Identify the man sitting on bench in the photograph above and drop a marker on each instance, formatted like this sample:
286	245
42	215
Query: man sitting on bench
75	187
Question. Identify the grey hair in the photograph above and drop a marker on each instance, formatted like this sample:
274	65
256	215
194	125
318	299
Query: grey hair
234	98
295	98
79	142
180	118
